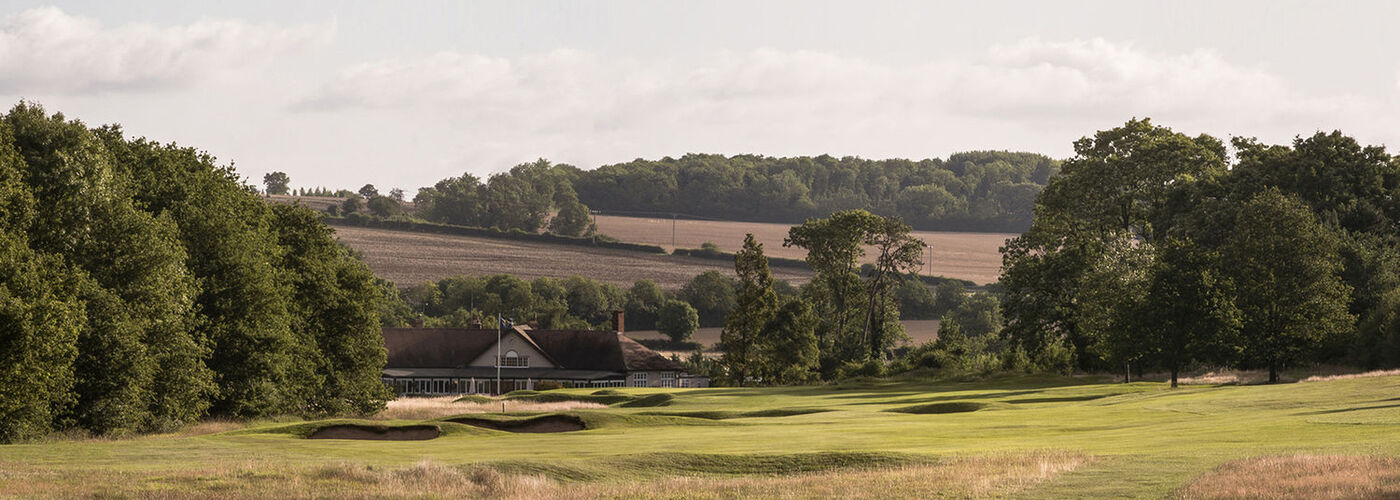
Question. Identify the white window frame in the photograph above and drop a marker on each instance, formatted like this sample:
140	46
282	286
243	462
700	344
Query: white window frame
668	379
637	379
512	359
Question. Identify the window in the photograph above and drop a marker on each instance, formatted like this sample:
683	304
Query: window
668	379
639	379
513	359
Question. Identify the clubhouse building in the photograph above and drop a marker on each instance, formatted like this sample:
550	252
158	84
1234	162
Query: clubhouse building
439	361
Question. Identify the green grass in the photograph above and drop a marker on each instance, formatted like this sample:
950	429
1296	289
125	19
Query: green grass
1146	439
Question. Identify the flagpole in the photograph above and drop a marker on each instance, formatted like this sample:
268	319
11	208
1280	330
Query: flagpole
498	355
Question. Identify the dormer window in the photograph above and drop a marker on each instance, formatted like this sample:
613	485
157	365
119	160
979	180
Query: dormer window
512	359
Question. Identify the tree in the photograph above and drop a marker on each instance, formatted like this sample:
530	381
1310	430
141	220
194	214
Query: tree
756	303
1189	311
834	247
677	320
368	191
1109	293
1123	183
1284	265
383	206
712	294
352	204
396	194
789	345
572	220
644	300
897	253
276	182
336	304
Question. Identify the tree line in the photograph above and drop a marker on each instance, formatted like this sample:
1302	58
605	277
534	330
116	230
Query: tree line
1153	250
143	286
972	191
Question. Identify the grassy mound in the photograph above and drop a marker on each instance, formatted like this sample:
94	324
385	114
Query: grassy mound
658	399
474	398
940	408
559	397
532	425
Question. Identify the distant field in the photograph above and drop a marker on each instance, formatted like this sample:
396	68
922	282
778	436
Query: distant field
408	258
1011	436
969	256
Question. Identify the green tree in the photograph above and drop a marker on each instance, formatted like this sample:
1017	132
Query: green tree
368	191
383	206
643	301
276	182
1121	184
352	204
897	253
677	320
1189	311
756	303
336	304
572	220
789	346
712	295
1284	265
834	247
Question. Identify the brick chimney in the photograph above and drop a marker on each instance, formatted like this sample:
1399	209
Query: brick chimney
619	321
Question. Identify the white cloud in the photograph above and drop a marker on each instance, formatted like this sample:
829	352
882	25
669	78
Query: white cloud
1028	81
589	109
47	50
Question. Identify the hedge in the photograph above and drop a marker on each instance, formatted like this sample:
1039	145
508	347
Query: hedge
418	226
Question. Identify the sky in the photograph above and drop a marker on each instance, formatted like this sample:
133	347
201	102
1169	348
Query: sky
402	94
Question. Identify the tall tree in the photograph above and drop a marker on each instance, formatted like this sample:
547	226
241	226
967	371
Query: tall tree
755	306
1284	265
1188	313
897	253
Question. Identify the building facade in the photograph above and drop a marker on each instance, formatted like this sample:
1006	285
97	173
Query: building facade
435	361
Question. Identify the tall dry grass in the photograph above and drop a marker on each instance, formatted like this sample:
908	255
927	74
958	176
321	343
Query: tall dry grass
1300	476
1344	376
446	406
995	475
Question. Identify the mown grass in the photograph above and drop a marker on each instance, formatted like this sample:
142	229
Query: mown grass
1092	439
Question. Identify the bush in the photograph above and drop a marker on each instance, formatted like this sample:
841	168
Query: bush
548	385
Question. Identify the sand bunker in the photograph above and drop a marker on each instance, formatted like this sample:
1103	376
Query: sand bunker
377	432
542	424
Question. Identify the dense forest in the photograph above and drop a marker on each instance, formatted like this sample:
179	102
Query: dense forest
143	287
975	191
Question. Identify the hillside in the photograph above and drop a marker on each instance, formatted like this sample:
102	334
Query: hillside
408	258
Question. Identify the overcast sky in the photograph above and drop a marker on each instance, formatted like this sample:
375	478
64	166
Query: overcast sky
339	94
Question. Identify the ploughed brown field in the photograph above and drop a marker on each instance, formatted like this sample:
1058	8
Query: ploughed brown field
970	256
408	258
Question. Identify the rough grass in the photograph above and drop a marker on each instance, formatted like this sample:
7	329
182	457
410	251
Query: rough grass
997	474
1346	376
1300	476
